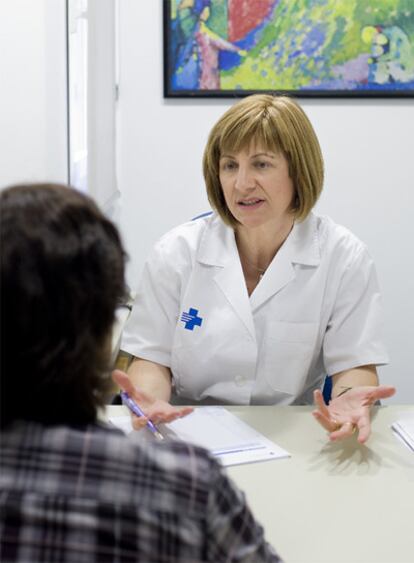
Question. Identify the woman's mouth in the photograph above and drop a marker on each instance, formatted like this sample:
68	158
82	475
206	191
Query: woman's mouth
252	203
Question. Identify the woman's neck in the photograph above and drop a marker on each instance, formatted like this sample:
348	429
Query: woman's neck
258	246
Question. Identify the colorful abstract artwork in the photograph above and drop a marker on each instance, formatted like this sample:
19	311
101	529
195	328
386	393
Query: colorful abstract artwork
305	47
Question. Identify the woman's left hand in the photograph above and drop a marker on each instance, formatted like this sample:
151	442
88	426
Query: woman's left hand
350	411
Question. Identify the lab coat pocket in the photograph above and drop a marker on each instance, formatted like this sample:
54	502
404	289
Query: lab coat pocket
288	353
188	377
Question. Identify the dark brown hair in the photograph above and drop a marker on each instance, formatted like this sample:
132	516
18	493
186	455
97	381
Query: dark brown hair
62	276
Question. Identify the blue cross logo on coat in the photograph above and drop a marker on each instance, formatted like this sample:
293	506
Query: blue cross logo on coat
191	319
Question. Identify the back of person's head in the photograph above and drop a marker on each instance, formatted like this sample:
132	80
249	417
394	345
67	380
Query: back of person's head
276	123
62	276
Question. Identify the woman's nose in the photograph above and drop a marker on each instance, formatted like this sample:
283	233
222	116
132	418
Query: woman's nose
244	179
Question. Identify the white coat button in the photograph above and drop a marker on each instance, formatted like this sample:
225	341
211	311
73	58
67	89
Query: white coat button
240	380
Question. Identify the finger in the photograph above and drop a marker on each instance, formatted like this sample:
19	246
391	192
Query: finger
122	379
169	414
171	417
184	411
321	420
160	416
166	417
364	429
159	413
157	418
380	392
346	430
329	424
139	422
320	403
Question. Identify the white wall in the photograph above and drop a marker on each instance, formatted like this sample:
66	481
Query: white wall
369	157
33	91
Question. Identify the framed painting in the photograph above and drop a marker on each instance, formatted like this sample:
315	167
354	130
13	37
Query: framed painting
228	48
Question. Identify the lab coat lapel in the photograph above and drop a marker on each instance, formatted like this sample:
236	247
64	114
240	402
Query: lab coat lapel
301	247
278	275
218	248
231	282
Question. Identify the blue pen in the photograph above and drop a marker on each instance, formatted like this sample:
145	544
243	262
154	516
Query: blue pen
132	405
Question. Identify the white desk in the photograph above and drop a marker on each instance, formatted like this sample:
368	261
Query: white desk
333	503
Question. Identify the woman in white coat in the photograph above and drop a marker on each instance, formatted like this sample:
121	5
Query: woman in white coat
259	301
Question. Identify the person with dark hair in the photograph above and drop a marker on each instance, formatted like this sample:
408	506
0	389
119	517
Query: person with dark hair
61	280
73	488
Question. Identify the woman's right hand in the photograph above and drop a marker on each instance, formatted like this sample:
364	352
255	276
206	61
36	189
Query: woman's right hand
157	410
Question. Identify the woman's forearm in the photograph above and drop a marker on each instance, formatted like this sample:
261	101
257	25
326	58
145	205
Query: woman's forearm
152	378
356	377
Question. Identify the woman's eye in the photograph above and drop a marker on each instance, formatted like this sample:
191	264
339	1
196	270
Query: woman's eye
228	166
262	164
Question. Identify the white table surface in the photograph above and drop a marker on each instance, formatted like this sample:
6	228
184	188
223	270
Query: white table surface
330	502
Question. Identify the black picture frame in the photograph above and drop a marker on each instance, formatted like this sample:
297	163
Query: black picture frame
381	66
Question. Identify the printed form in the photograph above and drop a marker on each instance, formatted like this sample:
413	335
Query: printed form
229	439
404	430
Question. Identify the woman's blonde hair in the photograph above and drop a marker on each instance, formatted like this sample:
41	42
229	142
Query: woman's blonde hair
276	123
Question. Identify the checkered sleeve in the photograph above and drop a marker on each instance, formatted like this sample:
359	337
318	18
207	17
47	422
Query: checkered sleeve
233	533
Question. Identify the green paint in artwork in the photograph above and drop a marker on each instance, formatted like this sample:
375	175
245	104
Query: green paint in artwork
217	21
307	42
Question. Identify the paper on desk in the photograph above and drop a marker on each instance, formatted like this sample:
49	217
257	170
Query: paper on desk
404	429
229	439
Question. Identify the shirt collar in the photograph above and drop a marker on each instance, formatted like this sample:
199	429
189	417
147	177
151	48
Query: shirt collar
303	242
301	247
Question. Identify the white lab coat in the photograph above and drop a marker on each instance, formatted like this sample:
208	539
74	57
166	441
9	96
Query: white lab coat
316	311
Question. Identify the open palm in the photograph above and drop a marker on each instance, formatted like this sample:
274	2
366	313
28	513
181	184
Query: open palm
350	411
155	409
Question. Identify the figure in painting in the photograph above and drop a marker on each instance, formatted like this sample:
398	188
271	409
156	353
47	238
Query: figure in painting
197	47
209	46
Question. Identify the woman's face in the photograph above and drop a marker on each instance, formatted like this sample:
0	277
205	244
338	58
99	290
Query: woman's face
257	186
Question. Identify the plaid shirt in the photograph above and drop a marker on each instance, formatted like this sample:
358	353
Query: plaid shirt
92	494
